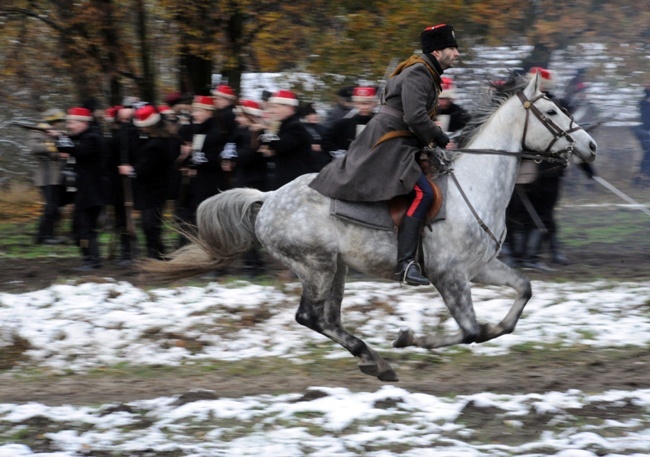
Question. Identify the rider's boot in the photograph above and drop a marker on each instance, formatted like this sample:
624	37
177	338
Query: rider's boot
533	247
556	253
408	238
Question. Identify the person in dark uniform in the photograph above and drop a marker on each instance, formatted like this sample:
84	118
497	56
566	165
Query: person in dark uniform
123	144
381	162
339	137
250	167
311	121
642	132
151	171
451	117
200	160
342	108
290	147
225	100
531	211
91	160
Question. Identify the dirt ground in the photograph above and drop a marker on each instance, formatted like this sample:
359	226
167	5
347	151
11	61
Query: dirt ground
583	368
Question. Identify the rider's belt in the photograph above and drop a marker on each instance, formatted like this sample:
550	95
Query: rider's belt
385	109
393	134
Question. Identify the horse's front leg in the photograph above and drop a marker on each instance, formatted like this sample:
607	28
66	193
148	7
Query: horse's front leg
498	273
457	295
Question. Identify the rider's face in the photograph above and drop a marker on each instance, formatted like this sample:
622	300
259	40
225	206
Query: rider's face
446	57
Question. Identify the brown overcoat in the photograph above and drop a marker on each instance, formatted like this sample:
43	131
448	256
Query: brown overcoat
389	169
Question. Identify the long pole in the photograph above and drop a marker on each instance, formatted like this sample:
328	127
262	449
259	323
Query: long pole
625	197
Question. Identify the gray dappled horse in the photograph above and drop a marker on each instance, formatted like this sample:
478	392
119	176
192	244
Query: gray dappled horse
294	224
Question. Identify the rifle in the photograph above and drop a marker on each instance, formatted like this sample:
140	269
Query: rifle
197	156
127	183
392	65
32	126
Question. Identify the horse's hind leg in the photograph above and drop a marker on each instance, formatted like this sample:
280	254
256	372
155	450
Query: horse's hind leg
320	310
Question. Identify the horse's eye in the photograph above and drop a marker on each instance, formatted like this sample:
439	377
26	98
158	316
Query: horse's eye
552	112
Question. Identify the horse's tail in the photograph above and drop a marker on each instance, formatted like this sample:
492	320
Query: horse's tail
226	229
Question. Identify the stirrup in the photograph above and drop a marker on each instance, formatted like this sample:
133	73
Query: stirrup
401	276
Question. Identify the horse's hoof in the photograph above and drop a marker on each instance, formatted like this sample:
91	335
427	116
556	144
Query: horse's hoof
388	376
404	339
370	369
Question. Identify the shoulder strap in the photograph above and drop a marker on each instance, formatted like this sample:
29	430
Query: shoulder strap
415	60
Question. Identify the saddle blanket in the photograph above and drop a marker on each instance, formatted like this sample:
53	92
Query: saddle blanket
378	215
373	215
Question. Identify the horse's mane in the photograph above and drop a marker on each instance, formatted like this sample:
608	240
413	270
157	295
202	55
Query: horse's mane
498	92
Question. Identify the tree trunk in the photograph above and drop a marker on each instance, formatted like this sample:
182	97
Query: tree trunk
148	82
196	73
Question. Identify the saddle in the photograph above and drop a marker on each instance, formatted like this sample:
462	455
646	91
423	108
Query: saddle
388	215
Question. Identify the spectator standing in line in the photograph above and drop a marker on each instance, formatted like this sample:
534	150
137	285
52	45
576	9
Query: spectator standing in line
311	121
343	132
342	108
451	117
151	172
200	161
251	166
642	132
289	145
87	146
123	147
47	176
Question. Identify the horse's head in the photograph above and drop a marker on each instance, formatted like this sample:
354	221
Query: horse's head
550	130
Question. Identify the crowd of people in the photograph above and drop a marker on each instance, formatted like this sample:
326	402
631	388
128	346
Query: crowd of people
121	166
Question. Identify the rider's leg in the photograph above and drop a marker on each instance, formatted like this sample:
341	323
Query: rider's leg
408	235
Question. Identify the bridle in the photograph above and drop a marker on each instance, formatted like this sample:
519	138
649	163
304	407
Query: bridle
556	131
562	156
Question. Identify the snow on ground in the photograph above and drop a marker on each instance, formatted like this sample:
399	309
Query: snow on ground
73	328
81	327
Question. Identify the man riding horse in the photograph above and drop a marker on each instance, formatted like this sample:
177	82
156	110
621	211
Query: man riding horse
381	163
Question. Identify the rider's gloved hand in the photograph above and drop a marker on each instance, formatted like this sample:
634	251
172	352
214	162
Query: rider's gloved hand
440	138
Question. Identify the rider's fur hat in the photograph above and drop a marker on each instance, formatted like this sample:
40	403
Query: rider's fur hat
438	37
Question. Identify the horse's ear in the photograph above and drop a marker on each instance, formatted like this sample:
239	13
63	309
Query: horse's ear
533	86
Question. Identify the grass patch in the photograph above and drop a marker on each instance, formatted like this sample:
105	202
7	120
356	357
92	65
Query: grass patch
583	226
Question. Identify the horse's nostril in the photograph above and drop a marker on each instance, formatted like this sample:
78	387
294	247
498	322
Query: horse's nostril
592	146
